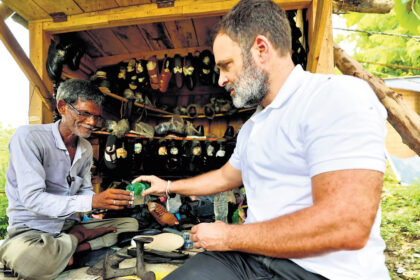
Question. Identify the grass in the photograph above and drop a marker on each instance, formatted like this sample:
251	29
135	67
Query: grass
400	218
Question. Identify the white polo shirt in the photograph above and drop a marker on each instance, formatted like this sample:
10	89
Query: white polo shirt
316	123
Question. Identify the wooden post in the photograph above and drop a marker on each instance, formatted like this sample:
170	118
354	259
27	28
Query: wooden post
38	112
320	36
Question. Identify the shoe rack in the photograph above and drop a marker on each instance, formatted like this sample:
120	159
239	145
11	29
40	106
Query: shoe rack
119	30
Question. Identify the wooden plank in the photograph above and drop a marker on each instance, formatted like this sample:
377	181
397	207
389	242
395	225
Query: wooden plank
148	13
69	7
93	49
203	29
326	55
107	41
182	33
28	9
96	5
323	11
24	63
123	3
156	35
38	50
131	38
111	60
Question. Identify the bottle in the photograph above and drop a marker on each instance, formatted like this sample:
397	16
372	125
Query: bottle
220	206
137	189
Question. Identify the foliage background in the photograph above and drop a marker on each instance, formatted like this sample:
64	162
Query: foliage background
5	134
379	48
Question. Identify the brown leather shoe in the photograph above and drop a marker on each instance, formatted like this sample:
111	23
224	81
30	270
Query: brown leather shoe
165	74
162	216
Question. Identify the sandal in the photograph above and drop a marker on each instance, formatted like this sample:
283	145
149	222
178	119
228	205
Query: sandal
165	74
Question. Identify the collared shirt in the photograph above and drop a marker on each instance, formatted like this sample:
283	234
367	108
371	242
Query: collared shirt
316	123
43	187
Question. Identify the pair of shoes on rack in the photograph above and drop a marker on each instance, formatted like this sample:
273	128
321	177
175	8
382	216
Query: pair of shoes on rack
159	80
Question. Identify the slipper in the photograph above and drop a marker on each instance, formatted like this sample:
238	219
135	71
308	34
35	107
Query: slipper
177	71
152	69
165	74
110	155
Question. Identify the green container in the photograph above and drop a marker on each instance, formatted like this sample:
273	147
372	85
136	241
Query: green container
137	189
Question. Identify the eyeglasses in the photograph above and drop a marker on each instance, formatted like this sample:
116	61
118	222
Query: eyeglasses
85	115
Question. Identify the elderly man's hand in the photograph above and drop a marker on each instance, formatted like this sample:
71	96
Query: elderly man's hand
115	199
211	237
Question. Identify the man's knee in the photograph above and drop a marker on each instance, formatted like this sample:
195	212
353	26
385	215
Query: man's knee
126	224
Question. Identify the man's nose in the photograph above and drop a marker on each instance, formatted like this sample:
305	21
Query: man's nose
222	79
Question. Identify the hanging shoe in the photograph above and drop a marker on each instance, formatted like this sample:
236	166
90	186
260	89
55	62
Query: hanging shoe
177	71
188	70
141	72
165	74
152	69
55	60
110	156
229	133
206	62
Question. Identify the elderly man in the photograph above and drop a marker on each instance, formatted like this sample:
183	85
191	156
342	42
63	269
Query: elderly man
311	160
48	183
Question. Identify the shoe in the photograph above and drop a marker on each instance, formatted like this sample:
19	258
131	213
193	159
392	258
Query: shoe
55	60
209	111
188	70
152	69
190	130
162	216
121	152
165	74
200	130
177	71
193	110
144	129
141	72
206	66
131	66
196	148
162	149
74	55
229	133
180	110
173	149
110	156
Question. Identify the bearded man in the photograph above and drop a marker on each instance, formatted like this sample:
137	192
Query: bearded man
311	160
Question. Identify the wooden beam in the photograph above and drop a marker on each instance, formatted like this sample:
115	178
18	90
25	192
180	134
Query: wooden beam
148	13
323	13
405	121
25	64
5	11
111	60
28	9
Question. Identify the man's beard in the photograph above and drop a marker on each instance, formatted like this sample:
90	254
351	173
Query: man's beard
251	86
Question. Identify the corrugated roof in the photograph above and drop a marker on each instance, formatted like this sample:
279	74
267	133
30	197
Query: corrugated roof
406	83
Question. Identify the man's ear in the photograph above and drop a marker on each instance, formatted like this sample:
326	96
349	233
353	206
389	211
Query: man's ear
261	48
62	107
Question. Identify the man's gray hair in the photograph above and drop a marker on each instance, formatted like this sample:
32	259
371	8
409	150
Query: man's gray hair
250	18
73	89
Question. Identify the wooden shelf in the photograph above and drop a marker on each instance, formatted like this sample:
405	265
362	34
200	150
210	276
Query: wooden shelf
169	137
163	113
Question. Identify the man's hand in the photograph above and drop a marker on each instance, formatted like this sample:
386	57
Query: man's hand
157	185
211	237
115	199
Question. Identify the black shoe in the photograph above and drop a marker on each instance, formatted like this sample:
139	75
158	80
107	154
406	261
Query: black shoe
55	60
206	62
177	71
188	70
229	133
